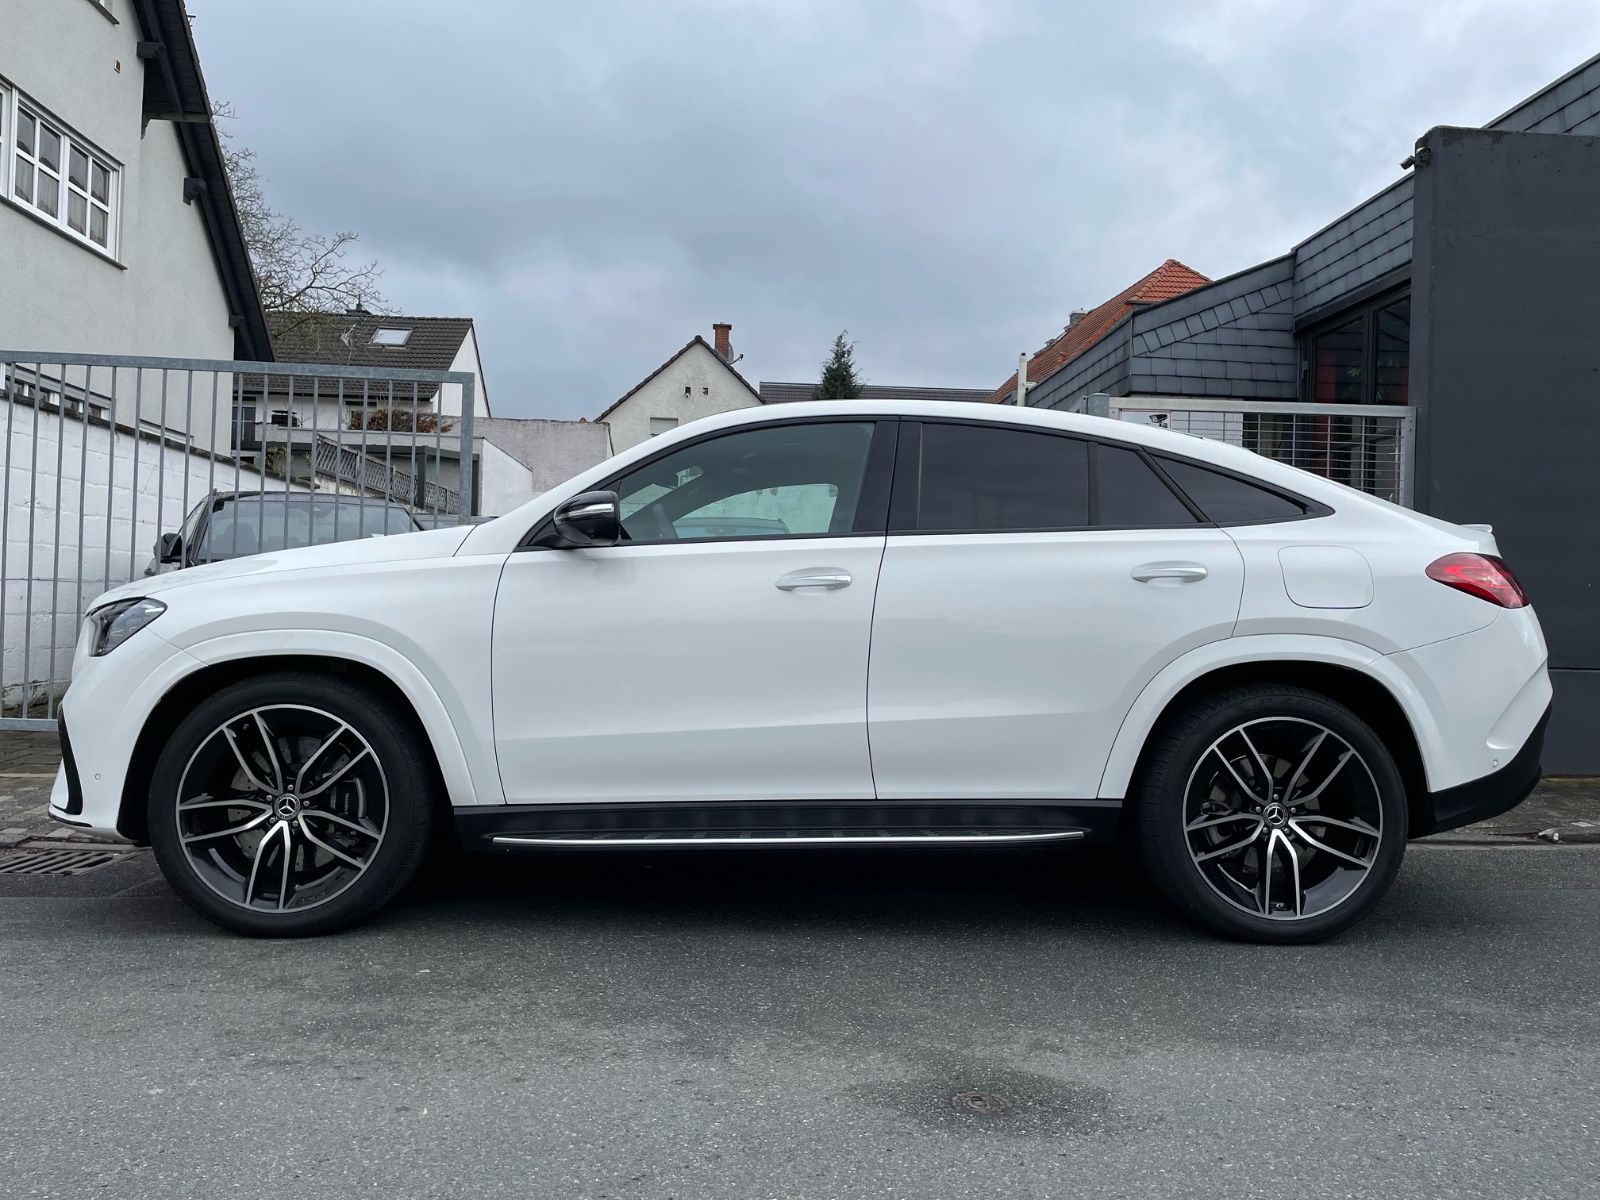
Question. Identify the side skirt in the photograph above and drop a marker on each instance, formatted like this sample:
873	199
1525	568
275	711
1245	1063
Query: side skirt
770	823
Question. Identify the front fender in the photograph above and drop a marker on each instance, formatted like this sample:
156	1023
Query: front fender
1184	670
465	762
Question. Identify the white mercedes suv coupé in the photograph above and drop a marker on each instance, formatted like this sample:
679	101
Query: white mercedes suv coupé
840	623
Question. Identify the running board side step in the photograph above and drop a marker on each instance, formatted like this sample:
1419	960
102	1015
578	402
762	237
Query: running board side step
608	841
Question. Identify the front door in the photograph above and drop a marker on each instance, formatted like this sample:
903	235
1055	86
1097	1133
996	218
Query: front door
719	652
1032	584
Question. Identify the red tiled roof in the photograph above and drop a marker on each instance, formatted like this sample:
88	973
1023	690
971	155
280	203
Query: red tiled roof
1170	279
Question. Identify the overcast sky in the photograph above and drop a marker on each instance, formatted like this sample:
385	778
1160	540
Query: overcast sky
596	182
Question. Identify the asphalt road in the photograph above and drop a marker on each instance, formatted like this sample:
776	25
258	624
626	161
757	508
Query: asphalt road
796	1025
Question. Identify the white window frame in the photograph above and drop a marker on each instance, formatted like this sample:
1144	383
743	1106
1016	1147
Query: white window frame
13	106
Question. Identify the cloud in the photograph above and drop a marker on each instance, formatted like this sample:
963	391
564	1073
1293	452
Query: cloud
596	183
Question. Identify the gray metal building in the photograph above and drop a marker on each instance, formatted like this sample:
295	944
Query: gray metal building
1455	317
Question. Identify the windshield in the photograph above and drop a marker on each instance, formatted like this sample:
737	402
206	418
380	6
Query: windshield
259	524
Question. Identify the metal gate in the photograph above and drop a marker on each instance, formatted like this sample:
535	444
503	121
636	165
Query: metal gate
1366	446
118	466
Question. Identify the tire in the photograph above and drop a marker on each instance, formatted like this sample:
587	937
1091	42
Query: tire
1272	814
308	839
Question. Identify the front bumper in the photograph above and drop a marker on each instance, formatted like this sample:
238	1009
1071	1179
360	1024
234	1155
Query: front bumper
1489	796
105	709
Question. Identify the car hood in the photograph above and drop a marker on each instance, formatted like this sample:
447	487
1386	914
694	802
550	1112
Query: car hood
397	547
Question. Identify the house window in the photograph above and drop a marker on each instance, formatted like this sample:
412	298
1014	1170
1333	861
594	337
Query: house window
1361	356
391	337
55	174
660	425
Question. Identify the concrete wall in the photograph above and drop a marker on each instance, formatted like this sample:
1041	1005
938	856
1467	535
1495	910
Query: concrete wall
87	520
1506	373
711	388
552	451
163	295
506	483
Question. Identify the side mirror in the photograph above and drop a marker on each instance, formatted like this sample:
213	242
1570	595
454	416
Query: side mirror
589	519
170	548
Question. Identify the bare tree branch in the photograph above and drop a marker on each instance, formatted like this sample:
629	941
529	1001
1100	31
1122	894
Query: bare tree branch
296	272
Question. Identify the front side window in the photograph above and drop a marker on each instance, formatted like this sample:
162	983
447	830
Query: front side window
983	479
782	481
55	174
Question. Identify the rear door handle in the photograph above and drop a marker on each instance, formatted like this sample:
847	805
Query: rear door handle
1175	572
829	579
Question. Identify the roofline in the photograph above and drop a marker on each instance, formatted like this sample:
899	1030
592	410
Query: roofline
477	354
1153	305
1549	87
932	387
166	23
1490	124
687	346
1360	204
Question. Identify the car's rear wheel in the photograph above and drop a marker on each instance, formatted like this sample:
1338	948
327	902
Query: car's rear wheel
1271	813
291	804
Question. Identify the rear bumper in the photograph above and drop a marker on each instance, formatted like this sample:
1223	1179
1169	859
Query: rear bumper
1495	793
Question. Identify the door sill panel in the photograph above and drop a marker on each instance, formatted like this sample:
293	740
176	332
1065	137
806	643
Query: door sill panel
787	823
609	841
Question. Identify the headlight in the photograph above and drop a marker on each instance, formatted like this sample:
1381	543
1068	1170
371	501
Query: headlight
116	623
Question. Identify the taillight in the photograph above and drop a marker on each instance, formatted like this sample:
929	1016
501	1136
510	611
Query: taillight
1480	575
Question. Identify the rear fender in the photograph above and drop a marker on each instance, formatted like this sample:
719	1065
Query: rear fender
1159	693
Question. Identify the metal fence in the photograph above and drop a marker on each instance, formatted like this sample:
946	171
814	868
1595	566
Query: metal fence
118	466
1366	446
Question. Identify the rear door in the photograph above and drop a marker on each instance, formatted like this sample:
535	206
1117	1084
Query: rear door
1032	583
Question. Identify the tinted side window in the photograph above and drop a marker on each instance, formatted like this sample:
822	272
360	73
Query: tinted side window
1230	501
781	481
977	478
1131	494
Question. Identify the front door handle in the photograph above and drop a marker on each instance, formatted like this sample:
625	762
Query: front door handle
1173	572
829	579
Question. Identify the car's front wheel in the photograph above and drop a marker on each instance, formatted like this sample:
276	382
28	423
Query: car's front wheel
291	804
1271	813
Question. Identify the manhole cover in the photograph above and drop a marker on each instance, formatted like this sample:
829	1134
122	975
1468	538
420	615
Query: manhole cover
985	1104
54	861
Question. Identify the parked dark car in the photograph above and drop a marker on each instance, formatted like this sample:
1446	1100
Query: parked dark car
233	524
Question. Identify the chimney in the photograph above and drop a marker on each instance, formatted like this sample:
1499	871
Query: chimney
1076	315
720	332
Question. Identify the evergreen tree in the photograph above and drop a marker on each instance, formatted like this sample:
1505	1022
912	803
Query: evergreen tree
839	380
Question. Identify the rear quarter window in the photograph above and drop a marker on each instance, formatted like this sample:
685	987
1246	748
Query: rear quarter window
1227	499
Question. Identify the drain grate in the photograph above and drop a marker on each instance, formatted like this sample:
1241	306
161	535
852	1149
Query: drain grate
54	861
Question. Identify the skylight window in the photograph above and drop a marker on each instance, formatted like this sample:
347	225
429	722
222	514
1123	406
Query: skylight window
391	337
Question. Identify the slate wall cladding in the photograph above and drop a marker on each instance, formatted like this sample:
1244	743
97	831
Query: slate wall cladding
1233	338
1361	246
1375	238
1237	337
1570	105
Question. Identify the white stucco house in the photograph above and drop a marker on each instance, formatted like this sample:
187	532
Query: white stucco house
118	234
698	381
